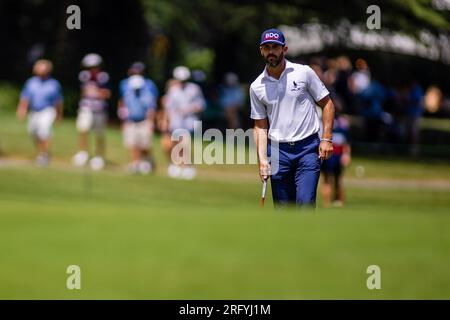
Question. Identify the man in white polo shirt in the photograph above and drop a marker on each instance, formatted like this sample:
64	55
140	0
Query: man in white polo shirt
283	105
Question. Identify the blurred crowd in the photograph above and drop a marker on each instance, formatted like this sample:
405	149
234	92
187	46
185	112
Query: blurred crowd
384	113
390	113
141	109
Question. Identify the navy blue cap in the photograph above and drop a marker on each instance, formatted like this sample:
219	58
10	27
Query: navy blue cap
137	67
272	36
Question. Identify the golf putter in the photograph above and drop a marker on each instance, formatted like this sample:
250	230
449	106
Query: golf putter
263	195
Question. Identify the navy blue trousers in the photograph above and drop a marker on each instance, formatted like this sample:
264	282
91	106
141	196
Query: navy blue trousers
295	178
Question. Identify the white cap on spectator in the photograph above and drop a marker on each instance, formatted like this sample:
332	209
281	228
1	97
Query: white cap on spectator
91	60
181	73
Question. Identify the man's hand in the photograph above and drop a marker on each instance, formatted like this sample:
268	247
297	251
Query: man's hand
264	170
325	150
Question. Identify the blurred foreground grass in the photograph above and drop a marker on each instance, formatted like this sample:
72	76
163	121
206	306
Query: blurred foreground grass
152	237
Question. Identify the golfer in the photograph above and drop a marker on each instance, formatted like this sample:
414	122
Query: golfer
283	106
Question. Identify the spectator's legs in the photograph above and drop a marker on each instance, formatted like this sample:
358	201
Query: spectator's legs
326	189
231	114
135	154
413	131
166	144
339	187
43	146
100	145
83	141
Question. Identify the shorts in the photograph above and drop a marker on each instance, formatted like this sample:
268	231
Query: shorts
137	134
40	123
88	120
332	166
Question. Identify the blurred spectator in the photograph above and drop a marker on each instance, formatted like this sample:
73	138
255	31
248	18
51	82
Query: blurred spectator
344	71
92	113
360	79
405	103
317	68
162	119
42	99
199	77
138	68
182	103
137	105
369	95
433	99
372	110
395	106
231	99
333	168
329	78
213	116
414	111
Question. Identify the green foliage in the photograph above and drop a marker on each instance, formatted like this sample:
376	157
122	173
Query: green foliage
232	28
71	99
229	28
9	97
200	59
422	11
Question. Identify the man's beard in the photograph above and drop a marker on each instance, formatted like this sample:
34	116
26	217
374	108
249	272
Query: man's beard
275	62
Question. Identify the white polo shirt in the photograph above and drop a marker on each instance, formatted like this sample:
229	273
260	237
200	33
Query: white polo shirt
289	103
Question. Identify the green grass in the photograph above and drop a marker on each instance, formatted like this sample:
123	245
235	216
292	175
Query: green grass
435	124
155	238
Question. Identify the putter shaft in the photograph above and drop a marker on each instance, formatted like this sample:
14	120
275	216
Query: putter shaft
263	195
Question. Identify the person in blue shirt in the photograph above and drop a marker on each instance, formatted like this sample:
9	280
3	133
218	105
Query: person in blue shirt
138	68
231	98
414	111
41	99
137	109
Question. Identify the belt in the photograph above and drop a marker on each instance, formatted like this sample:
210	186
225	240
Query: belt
302	141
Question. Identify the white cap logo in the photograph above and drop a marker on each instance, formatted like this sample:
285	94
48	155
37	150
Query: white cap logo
271	35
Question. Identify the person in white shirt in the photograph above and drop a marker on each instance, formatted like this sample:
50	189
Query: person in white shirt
182	103
283	105
92	112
